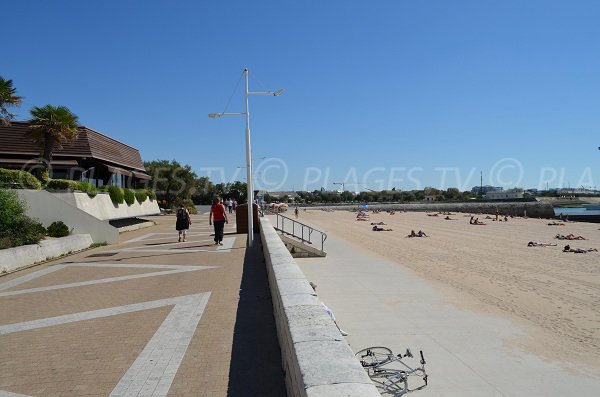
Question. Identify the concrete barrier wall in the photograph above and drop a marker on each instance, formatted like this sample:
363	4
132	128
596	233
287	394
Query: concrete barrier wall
18	257
316	359
102	207
48	208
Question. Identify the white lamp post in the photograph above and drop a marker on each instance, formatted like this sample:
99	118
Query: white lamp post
250	191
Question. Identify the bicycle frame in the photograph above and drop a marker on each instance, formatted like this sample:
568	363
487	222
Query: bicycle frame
379	362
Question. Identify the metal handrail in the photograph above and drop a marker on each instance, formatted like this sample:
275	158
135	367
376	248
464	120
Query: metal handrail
304	237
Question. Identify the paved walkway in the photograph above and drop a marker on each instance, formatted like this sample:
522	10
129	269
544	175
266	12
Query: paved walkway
381	303
145	317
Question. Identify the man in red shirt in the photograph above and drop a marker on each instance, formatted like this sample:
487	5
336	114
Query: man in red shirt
219	218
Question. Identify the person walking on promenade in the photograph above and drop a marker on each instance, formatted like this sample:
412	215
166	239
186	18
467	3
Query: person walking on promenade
230	205
183	222
219	218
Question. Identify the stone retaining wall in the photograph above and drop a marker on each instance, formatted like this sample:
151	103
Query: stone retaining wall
18	257
316	359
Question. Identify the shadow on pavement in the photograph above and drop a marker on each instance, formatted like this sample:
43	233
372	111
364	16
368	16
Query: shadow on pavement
256	368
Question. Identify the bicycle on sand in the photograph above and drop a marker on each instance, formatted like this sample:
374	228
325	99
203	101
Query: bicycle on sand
390	373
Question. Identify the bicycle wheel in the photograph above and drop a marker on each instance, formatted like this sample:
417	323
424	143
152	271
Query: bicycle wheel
375	356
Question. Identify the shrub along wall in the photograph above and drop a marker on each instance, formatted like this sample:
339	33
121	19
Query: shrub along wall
16	228
16	179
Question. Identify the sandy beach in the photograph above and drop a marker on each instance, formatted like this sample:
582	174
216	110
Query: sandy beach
554	296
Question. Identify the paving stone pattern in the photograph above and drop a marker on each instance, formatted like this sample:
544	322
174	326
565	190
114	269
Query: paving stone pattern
149	316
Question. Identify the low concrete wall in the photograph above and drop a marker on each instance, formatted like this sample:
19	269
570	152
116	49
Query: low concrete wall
48	208
18	257
316	359
102	207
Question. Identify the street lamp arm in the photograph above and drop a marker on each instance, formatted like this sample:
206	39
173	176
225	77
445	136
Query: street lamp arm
274	93
217	115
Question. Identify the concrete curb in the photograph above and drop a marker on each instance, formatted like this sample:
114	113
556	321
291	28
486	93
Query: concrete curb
316	359
136	226
15	258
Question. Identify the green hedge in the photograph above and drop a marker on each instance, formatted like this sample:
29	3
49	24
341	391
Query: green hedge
129	196
67	184
141	196
58	229
16	228
17	179
152	195
116	194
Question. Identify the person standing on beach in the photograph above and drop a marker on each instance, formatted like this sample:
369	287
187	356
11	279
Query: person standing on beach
219	218
183	222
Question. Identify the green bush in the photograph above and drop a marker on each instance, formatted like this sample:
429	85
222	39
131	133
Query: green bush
141	196
16	228
189	204
116	194
152	195
87	188
129	196
17	179
58	229
61	184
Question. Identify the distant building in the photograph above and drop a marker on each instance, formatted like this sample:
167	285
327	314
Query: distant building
476	190
504	194
93	157
292	196
430	199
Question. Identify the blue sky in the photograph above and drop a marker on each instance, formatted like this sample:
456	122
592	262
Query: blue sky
379	94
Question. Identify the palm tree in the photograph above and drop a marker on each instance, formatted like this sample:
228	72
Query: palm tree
51	126
7	98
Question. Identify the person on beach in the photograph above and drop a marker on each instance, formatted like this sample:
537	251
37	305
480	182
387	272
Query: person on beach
183	222
380	229
497	214
329	311
449	219
570	236
476	221
296	212
578	250
536	244
219	218
419	234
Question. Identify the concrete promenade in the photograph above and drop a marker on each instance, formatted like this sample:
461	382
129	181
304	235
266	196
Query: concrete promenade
379	302
147	316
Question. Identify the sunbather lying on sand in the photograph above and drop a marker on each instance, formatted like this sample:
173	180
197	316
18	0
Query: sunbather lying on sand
419	234
380	229
378	223
449	219
476	221
536	244
578	250
570	236
556	224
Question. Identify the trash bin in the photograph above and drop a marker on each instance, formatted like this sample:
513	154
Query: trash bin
241	218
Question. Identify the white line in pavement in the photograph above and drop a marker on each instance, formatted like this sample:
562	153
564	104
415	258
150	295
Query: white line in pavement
226	247
29	277
174	270
227	244
153	371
